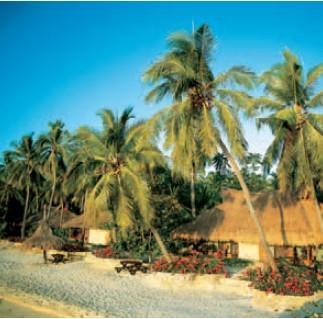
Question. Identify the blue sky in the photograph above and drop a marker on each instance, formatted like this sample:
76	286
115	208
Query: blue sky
67	60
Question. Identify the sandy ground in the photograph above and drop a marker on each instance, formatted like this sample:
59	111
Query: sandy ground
78	289
13	309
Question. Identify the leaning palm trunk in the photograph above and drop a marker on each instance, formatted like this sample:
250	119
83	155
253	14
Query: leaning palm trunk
316	204
23	226
252	211
193	190
318	212
52	194
161	244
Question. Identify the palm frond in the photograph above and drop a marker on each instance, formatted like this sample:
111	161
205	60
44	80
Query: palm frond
239	75
313	75
316	100
228	119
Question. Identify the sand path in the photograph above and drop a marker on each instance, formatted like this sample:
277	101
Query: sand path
80	286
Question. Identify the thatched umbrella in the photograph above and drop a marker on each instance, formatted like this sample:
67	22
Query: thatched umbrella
44	238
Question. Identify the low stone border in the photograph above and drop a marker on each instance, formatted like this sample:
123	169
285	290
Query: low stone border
280	303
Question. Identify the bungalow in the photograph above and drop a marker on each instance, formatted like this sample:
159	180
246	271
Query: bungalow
291	228
92	233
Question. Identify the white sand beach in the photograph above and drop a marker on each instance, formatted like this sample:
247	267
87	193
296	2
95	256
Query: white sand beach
84	289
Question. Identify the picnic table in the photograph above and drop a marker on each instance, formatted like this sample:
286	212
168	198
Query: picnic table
132	266
58	258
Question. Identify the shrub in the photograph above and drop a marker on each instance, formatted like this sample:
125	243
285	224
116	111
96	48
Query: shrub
71	248
290	280
195	264
107	252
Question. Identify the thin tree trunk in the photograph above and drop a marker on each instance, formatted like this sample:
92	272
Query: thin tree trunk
62	209
53	190
114	234
193	190
252	211
37	201
23	226
161	244
83	228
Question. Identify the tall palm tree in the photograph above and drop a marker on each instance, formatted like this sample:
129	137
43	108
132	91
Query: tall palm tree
298	133
203	104
21	165
53	154
119	156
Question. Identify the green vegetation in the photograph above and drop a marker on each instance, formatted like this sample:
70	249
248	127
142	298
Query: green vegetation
120	173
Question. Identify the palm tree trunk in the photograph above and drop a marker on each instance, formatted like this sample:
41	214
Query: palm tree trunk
252	211
318	212
62	208
161	244
23	226
84	210
53	192
37	201
193	190
114	234
312	186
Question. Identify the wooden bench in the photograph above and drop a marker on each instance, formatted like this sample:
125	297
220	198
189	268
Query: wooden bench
132	266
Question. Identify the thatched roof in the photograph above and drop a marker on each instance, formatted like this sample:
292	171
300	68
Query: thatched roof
283	223
44	238
90	221
55	217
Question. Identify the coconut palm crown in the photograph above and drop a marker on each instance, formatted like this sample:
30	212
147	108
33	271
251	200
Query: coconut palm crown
191	127
118	156
298	133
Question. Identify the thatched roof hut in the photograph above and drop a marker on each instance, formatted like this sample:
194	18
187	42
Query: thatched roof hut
90	221
284	223
55	217
44	238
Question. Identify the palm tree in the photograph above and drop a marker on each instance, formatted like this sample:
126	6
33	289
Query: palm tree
119	156
8	191
202	105
298	133
221	163
53	154
21	165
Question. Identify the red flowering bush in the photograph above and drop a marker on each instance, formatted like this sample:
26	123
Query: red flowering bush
290	280
107	252
196	264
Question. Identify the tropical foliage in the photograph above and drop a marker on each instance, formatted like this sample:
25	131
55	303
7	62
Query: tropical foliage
119	172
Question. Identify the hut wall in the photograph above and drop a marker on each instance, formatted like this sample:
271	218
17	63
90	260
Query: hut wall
249	251
99	236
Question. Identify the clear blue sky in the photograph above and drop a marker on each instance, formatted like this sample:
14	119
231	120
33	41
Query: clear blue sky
67	60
